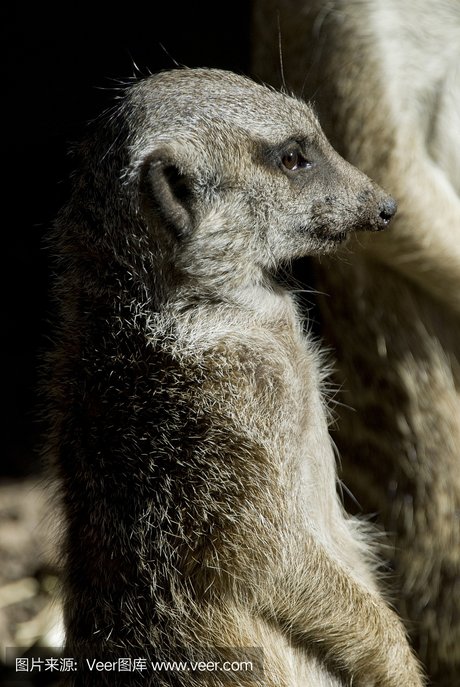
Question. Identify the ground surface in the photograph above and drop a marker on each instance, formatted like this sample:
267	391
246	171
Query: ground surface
30	616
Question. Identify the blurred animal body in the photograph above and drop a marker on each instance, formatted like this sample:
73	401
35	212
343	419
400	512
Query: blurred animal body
385	78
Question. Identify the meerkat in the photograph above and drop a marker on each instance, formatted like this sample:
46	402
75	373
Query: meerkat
190	432
384	77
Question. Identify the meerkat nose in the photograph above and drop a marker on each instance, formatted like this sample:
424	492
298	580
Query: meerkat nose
387	209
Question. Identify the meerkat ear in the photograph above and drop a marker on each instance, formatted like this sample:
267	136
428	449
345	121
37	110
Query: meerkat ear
168	191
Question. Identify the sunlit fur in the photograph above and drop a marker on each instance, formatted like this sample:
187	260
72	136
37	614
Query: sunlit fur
189	428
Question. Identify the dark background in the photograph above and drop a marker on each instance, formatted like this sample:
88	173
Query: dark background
62	64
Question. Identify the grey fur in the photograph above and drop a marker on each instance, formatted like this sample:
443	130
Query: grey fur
189	424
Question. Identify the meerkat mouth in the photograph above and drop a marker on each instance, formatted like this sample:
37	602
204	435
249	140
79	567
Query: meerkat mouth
338	238
325	234
328	237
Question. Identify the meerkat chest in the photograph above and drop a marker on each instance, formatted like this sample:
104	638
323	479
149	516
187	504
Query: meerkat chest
263	373
258	378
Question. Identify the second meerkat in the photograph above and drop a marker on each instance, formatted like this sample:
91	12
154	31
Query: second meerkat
189	425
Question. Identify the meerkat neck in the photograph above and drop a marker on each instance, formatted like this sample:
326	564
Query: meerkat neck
251	290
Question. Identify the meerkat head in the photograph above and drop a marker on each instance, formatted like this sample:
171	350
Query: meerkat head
236	177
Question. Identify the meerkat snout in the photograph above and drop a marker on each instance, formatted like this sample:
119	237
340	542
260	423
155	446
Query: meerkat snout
388	209
374	207
336	198
381	213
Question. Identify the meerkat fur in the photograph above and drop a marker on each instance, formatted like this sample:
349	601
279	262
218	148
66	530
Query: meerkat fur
189	431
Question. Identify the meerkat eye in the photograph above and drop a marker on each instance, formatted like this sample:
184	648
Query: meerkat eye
293	160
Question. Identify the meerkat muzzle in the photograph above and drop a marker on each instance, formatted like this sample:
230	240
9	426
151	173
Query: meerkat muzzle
387	211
